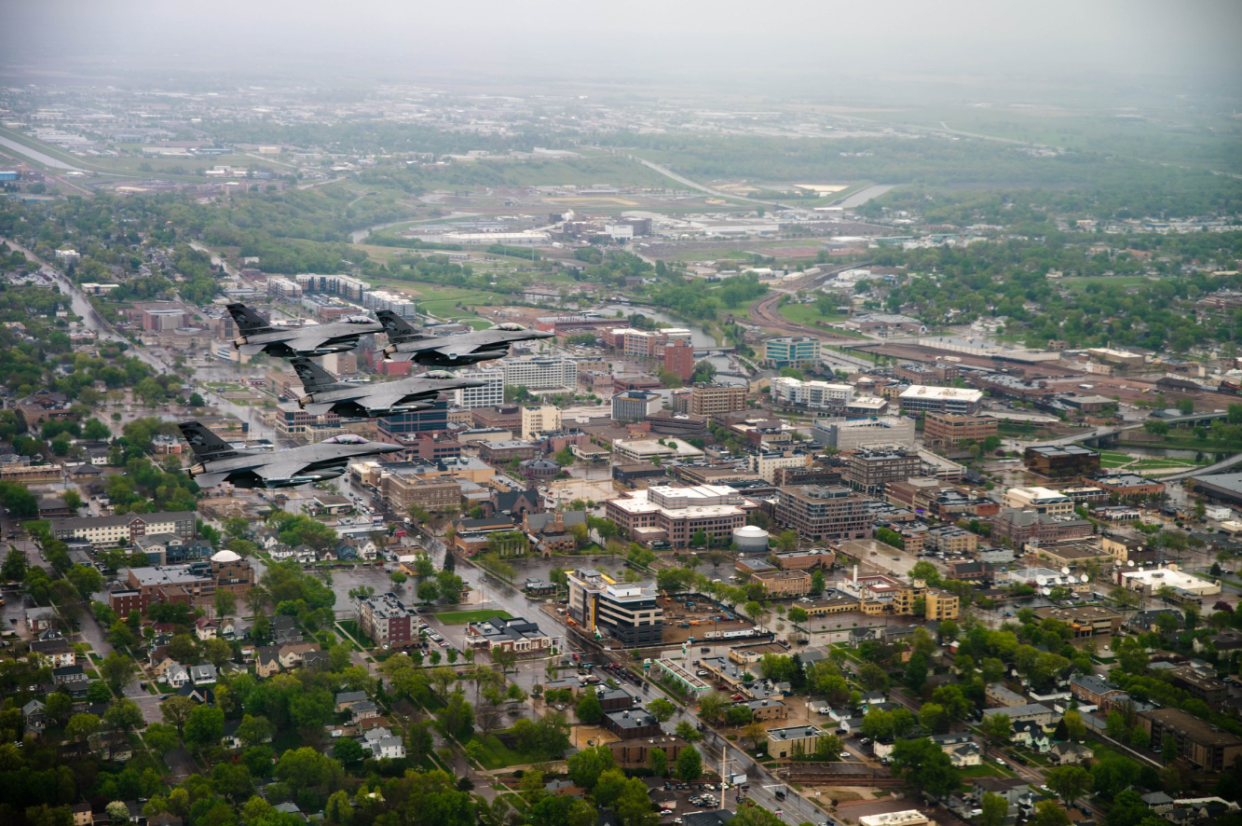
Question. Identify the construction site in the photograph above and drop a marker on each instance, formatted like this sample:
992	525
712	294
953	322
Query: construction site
699	618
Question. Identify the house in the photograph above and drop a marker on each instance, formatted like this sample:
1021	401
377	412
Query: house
961	749
1035	712
316	659
1091	689
347	699
363	710
383	744
230	740
1031	734
40	619
285	630
176	675
111	745
202	695
203	674
1015	790
54	652
32	715
71	678
998	694
292	656
1069	754
204	629
267	661
226	628
81	814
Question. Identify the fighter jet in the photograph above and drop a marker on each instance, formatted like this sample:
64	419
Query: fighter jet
258	336
450	351
218	461
324	394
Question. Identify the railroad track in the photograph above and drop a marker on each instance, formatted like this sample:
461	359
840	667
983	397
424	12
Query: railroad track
766	311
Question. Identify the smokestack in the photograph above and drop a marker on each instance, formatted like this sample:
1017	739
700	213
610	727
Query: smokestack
855	574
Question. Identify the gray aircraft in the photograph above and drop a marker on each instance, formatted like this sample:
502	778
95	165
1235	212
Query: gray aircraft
218	461
325	394
257	335
450	351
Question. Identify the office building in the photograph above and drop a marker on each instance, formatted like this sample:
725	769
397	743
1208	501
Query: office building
814	395
540	419
797	741
790	351
679	359
386	620
922	398
1038	499
662	513
628	613
514	634
1057	462
1026	526
952	430
540	372
715	399
491	394
420	421
765	463
867	469
822	513
635	405
1128	484
1085	620
851	434
782	584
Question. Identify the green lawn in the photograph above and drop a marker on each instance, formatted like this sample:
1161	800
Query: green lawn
808	314
464	617
493	754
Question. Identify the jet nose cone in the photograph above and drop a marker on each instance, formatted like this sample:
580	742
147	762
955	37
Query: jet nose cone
544	334
389	448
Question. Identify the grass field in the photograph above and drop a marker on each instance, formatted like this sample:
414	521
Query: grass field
808	314
1113	459
464	617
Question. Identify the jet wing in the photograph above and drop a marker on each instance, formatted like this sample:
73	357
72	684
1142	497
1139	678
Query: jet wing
210	480
280	469
308	339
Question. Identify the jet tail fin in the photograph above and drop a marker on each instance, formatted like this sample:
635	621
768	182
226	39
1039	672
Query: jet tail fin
397	328
313	376
205	444
247	320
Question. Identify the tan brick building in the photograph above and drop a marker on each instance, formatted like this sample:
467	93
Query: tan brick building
784	583
950	430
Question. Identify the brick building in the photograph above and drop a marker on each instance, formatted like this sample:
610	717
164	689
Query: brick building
951	430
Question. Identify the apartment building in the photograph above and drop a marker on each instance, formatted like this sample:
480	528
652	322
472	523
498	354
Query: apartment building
824	512
662	513
938	604
635	405
943	373
1085	620
628	613
764	464
401	491
952	430
386	620
110	531
1023	526
540	419
715	399
851	434
1198	742
920	398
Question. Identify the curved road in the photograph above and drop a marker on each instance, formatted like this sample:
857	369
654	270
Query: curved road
765	312
682	179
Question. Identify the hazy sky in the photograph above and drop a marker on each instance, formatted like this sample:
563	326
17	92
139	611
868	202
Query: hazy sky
805	43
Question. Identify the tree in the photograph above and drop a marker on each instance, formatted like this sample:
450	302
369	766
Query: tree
1069	782
924	766
117	811
160	738
996	729
428	590
872	677
81	726
1075	728
686	731
217	651
589	710
225	602
176	711
787	541
657	762
124	714
586	767
349	751
117	671
995	810
204	727
1048	813
689	765
255	730
15	564
59	706
661	709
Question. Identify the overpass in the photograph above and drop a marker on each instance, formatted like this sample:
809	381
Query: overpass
1096	437
1223	464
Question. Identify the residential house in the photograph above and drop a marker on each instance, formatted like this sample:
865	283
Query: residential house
1069	754
285	630
961	749
1031	734
204	629
347	699
72	678
81	814
111	745
361	711
40	619
383	744
267	661
203	695
176	675
293	655
203	674
56	653
33	716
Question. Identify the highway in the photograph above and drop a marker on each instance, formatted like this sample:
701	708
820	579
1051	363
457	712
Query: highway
766	311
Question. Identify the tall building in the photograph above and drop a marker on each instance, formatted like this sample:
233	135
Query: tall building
714	399
1057	462
790	351
662	513
540	372
679	359
434	418
628	613
950	430
386	620
491	394
634	405
851	434
539	419
867	469
820	513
